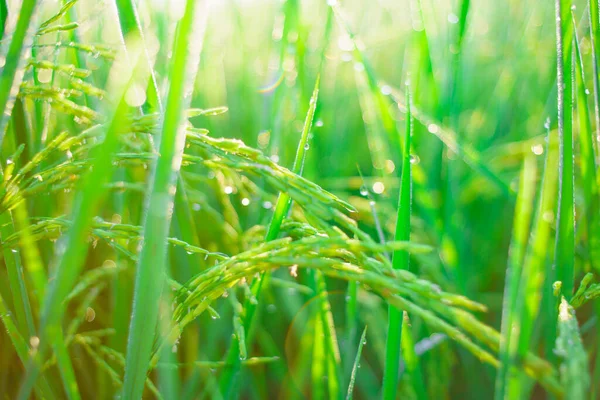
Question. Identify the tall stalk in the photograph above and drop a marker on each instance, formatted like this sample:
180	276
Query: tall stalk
400	260
72	248
14	59
150	269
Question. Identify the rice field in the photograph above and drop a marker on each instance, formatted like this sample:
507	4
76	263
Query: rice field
299	199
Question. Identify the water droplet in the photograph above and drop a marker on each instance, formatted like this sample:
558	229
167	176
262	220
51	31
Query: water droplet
414	159
9	161
44	75
34	341
306	146
90	314
245	201
319	123
190	252
228	189
378	187
547	123
432	128
196	207
537	149
452	18
346	57
275	158
267	205
364	191
385	90
389	166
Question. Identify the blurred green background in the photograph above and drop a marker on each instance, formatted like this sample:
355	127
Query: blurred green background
482	81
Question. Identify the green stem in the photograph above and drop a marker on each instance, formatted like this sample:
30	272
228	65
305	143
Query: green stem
400	260
150	271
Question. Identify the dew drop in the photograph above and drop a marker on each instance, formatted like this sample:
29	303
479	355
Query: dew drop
547	123
34	341
433	128
44	75
378	187
537	149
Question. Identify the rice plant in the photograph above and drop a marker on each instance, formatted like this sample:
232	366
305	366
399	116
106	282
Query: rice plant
299	199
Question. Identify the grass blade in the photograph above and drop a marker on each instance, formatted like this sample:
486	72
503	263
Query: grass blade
518	246
150	270
594	15
72	249
534	266
13	70
228	379
574	368
130	25
21	348
400	260
356	366
565	239
587	157
411	360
